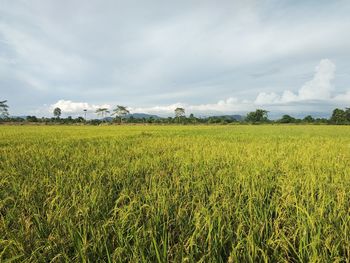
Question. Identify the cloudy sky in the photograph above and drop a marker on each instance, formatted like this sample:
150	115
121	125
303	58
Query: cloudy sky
208	56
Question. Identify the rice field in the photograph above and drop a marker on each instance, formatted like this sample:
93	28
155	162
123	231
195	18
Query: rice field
175	193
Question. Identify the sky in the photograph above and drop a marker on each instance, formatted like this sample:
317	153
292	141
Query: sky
210	57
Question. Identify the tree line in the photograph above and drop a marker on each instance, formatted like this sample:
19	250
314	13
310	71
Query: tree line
121	114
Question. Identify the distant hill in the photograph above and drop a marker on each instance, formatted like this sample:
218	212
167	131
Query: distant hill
136	116
232	117
142	115
21	117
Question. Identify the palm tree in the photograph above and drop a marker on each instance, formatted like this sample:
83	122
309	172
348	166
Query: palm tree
102	112
120	111
4	112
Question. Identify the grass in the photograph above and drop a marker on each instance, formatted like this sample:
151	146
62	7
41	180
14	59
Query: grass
175	194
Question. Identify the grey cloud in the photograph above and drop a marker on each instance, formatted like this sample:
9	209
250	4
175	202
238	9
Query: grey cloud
148	54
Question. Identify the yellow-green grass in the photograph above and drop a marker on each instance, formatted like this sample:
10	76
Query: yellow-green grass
175	193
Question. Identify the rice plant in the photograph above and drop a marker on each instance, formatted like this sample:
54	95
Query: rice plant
175	194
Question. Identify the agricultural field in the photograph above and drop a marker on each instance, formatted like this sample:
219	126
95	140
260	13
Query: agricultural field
175	193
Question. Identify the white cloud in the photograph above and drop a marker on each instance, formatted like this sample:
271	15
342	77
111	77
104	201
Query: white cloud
163	109
345	98
267	98
230	105
319	88
68	106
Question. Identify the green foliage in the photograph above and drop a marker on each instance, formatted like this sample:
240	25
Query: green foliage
308	119
287	119
347	114
31	119
57	112
120	112
339	116
174	194
101	112
4	113
180	114
257	116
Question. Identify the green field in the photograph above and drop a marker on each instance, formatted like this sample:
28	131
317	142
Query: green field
175	193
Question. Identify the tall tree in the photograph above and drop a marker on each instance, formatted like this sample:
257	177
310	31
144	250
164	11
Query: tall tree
57	112
102	112
179	113
120	111
85	111
4	112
